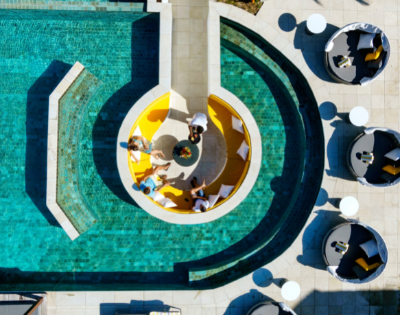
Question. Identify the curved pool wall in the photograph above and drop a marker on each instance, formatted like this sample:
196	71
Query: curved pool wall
73	108
126	249
244	56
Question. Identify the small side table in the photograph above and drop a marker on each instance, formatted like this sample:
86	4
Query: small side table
290	290
358	116
316	23
177	152
349	206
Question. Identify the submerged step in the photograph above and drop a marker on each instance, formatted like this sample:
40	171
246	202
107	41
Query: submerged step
68	105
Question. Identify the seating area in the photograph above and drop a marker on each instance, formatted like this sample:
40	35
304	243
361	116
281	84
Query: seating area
357	54
374	157
232	175
270	308
355	252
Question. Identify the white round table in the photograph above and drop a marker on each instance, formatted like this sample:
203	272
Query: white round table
358	116
290	291
316	23
349	206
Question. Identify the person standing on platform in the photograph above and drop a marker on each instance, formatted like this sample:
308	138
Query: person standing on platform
197	126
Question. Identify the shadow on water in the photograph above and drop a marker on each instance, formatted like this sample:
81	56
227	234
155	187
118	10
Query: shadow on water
145	56
37	108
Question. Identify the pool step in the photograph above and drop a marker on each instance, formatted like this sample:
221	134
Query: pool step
68	105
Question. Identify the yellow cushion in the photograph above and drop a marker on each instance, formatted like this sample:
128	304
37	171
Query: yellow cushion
235	169
392	170
375	55
362	263
221	114
367	267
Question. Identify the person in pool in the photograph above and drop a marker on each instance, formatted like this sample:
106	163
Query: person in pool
197	126
151	184
201	203
139	143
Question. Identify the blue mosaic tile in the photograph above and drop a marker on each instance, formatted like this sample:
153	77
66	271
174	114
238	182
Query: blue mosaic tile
72	110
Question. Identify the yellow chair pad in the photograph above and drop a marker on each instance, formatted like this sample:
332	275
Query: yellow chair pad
392	170
235	169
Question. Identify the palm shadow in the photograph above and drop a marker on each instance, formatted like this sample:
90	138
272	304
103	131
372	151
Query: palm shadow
143	78
37	108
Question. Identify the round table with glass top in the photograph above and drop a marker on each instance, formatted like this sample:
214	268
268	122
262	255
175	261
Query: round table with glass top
179	155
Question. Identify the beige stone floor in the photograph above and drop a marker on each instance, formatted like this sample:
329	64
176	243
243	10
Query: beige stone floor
189	52
212	147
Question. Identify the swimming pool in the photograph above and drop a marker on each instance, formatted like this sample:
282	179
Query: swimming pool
127	248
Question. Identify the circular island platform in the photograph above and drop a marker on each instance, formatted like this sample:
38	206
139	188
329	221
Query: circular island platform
237	176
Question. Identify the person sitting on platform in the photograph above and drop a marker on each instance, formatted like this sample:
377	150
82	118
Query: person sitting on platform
139	143
151	183
197	126
201	203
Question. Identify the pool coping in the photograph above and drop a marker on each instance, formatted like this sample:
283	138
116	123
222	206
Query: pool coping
52	150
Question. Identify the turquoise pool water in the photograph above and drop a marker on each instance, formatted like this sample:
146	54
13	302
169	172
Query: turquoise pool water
126	248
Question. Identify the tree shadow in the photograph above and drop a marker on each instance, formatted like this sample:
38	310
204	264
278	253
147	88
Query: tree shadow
37	111
143	78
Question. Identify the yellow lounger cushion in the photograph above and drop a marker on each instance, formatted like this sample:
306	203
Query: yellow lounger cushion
367	267
221	114
392	170
375	55
235	169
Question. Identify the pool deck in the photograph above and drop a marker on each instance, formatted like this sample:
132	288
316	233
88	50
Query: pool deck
303	262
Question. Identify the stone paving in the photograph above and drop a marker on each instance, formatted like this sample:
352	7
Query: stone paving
321	293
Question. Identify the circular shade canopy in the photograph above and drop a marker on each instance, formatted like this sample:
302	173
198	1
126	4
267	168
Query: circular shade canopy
290	291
